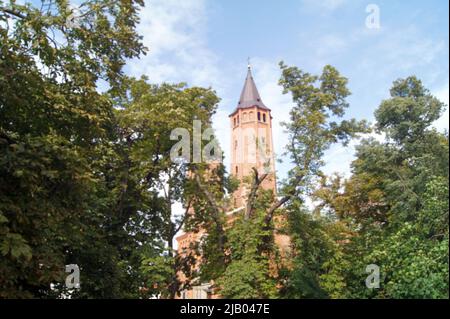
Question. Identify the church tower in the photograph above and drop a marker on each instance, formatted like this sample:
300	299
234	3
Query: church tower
251	140
251	147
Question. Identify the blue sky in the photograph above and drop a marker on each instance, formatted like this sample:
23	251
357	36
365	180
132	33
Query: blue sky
207	43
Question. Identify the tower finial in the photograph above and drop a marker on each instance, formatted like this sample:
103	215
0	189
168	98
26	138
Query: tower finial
249	66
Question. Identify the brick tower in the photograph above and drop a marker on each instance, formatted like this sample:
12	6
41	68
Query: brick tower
251	147
251	140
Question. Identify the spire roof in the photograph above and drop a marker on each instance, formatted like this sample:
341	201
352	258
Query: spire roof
250	96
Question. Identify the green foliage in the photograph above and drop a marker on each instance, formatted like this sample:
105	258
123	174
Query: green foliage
409	112
151	181
16	246
414	258
78	178
250	272
320	101
54	131
395	205
157	268
314	125
247	279
86	177
314	242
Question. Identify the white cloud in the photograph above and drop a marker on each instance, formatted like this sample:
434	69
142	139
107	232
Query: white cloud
174	32
339	158
406	48
392	53
324	49
323	5
384	53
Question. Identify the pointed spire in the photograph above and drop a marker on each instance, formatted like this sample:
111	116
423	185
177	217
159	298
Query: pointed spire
250	95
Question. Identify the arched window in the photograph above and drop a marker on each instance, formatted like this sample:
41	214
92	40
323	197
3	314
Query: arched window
238	119
259	116
250	116
245	118
264	117
237	170
234	121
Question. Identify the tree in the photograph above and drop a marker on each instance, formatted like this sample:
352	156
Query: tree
313	127
146	119
311	131
251	271
395	204
55	135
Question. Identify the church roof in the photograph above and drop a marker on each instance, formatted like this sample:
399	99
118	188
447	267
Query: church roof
250	96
